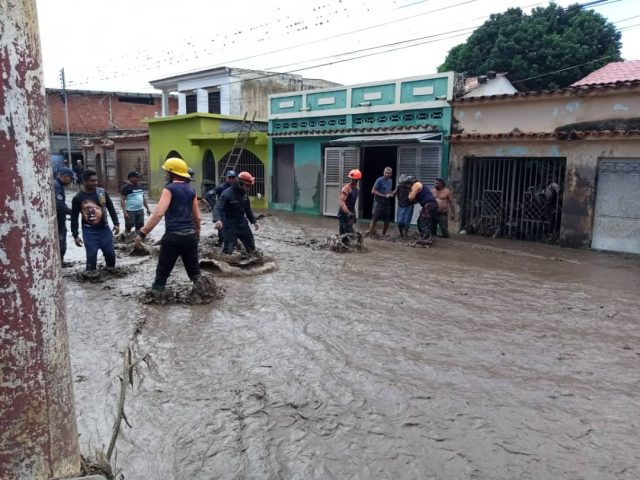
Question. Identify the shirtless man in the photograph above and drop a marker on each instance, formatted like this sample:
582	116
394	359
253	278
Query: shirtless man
444	197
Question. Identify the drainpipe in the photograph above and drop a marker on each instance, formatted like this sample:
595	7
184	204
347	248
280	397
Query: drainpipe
38	431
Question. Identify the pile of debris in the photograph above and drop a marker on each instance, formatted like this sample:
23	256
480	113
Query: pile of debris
346	243
202	292
238	264
102	274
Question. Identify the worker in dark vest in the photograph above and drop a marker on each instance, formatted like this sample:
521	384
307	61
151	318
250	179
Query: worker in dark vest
347	203
215	193
423	196
179	205
233	214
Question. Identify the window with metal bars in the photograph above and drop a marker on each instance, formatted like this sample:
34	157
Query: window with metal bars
214	101
248	162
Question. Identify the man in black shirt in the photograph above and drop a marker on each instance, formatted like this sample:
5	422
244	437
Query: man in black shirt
93	202
63	179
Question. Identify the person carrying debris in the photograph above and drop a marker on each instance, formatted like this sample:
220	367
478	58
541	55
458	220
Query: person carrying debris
179	205
405	207
93	203
213	194
233	214
63	179
347	203
422	195
133	203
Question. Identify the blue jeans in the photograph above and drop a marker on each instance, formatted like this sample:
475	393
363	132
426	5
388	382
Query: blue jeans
95	239
404	216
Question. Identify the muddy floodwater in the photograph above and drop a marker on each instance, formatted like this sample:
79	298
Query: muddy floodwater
473	359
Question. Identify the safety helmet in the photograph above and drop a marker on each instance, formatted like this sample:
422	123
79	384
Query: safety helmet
231	173
246	178
355	174
177	166
411	179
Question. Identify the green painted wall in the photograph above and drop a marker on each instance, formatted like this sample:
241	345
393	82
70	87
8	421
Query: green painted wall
308	172
172	133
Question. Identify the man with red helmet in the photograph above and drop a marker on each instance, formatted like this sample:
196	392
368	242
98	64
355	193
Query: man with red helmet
347	202
233	212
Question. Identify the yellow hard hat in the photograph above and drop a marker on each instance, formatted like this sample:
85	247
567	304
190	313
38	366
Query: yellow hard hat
177	166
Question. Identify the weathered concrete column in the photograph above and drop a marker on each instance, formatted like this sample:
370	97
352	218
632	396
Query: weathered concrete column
38	431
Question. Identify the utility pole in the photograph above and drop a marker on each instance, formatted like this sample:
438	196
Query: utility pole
66	116
38	431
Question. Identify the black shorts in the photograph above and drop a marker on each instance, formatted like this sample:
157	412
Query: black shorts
136	219
381	211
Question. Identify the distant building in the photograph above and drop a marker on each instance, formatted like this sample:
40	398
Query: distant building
559	166
317	136
106	129
202	130
229	91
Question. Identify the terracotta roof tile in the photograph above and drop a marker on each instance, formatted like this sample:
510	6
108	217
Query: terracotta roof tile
579	90
572	135
612	72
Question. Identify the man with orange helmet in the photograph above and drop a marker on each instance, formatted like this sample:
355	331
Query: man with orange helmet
347	202
179	205
233	214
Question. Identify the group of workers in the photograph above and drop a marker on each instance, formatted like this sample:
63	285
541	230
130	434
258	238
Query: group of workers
232	214
178	205
436	205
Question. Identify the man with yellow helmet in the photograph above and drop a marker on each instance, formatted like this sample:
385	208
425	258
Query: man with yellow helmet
179	205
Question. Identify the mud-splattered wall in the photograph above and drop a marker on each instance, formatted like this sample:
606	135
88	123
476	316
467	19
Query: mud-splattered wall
582	157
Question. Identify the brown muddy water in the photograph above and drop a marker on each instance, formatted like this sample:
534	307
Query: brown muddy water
473	359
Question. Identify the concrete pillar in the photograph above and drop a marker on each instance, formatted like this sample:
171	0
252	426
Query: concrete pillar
203	100
38	432
165	103
182	104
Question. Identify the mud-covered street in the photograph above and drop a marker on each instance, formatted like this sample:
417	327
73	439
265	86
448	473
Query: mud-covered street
474	359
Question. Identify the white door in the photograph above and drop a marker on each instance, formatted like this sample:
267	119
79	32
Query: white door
338	162
616	226
423	162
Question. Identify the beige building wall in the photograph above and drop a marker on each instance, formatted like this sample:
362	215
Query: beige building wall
544	114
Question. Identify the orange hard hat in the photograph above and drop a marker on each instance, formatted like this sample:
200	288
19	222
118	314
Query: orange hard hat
246	177
355	174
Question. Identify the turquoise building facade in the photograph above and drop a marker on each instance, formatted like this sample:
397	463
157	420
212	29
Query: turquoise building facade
316	137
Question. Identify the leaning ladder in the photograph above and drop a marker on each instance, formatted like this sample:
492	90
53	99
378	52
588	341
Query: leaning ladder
238	145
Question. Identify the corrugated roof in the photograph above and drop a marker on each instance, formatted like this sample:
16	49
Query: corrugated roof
568	91
612	72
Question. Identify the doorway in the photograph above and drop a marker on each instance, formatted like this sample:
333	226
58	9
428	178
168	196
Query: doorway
283	188
375	160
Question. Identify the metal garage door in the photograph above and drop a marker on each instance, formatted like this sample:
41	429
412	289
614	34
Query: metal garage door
617	218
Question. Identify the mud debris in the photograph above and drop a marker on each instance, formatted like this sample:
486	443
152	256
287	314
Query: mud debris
346	243
101	275
239	264
202	292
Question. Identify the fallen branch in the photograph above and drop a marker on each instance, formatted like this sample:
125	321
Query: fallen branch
124	380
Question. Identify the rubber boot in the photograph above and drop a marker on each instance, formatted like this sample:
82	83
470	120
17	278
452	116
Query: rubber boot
157	288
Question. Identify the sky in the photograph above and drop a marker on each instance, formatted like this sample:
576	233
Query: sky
122	45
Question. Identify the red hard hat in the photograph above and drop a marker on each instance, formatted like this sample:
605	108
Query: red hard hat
355	174
245	177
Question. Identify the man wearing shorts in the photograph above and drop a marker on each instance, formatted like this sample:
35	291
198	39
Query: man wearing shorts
382	192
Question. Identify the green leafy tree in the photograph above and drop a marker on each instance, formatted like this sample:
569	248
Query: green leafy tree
549	40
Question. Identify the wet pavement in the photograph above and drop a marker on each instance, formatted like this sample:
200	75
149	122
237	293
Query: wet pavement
473	359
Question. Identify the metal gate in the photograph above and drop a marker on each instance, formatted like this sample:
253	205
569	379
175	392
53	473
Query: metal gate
337	164
518	198
616	226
